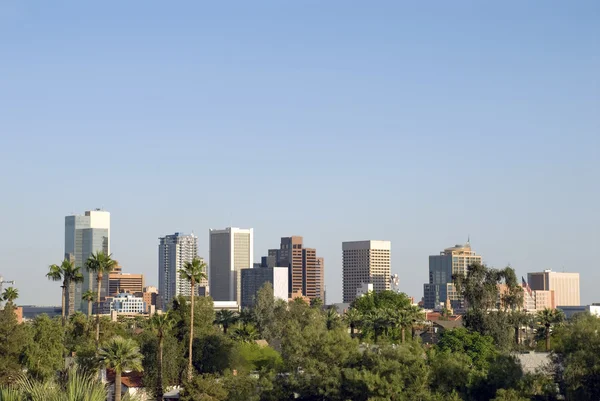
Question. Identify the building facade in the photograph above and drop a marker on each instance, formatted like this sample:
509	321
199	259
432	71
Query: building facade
84	235
564	285
125	282
365	262
231	250
306	271
450	261
125	304
254	279
173	251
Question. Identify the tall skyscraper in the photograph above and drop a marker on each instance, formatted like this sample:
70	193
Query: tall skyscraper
231	250
85	235
173	251
450	261
305	269
365	262
564	285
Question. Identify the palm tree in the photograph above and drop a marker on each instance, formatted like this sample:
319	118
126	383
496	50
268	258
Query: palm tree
378	320
245	333
401	318
89	296
331	318
68	273
161	323
417	315
10	294
352	317
56	274
101	264
74	386
194	272
225	318
547	318
120	354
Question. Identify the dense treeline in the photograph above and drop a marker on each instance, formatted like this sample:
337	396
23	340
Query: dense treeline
372	352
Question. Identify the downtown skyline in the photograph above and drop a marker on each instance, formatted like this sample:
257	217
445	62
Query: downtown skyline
152	277
418	124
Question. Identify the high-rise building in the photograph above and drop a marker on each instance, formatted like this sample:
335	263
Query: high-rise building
564	285
305	269
125	282
254	279
365	262
450	261
231	250
173	251
85	235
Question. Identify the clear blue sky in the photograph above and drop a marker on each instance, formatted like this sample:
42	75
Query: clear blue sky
334	120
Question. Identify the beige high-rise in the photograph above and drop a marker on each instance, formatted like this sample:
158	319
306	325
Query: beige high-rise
564	285
231	250
365	262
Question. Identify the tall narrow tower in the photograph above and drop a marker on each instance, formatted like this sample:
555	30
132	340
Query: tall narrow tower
231	250
85	235
173	251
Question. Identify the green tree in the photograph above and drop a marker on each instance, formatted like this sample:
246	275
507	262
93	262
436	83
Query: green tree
479	349
509	395
204	317
89	296
43	355
69	275
225	318
120	354
253	357
206	387
451	372
486	305
547	318
381	300
13	340
264	311
174	363
577	352
161	323
388	373
9	295
194	272
101	264
213	353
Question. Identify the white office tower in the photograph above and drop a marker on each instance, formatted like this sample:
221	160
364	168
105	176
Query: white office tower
173	251
231	250
85	235
365	262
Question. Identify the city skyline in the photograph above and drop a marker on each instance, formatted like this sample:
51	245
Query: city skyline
416	123
257	259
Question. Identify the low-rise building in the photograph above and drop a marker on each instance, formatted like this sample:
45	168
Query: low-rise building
570	311
32	311
228	305
124	304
